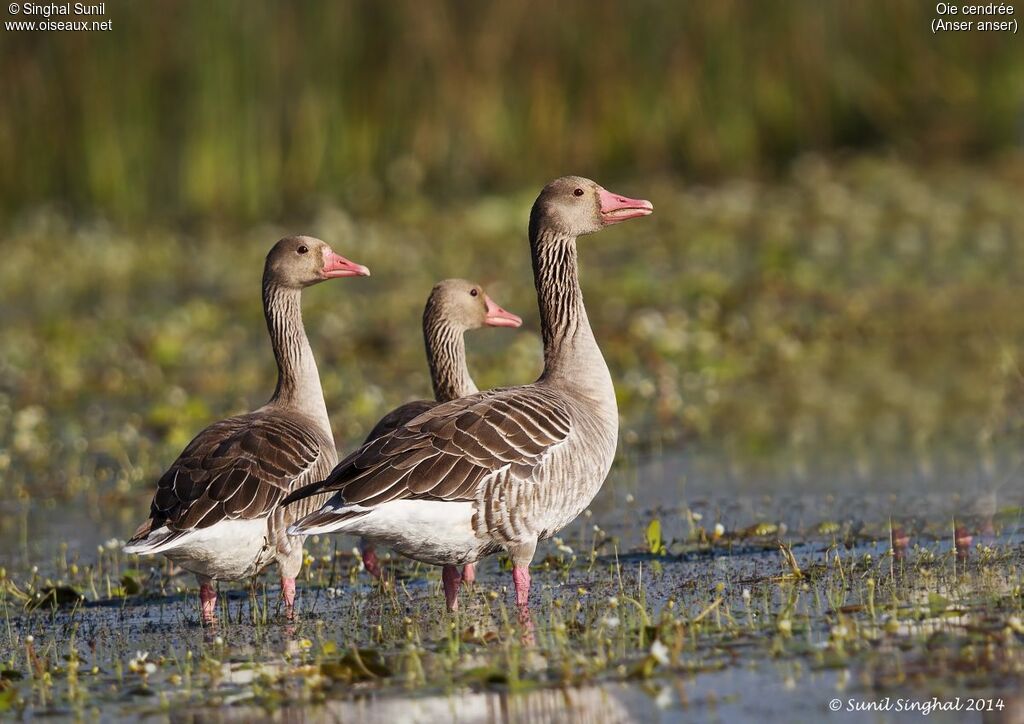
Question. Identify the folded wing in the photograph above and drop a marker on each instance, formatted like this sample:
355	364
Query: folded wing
448	451
239	468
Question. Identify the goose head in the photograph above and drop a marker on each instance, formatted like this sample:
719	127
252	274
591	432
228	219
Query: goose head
465	305
574	205
301	261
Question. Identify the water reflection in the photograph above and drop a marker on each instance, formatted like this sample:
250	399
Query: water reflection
591	704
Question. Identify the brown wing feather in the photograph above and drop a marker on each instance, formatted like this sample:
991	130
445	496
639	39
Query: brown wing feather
236	468
446	451
398	417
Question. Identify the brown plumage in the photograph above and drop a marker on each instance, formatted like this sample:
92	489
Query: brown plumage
398	417
445	452
505	468
454	307
241	467
217	510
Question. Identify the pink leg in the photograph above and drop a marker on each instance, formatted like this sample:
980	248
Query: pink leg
288	594
521	579
451	579
370	561
208	602
526	621
468	573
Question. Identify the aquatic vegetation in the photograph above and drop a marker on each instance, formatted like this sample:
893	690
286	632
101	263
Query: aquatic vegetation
606	617
858	308
816	489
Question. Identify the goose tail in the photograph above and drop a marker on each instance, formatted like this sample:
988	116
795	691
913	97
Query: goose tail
148	541
330	518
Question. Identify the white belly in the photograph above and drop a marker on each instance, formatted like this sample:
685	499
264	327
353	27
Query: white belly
229	550
430	531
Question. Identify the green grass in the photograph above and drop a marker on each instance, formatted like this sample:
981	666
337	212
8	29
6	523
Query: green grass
252	111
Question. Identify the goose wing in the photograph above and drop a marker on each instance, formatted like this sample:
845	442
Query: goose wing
239	468
398	417
449	451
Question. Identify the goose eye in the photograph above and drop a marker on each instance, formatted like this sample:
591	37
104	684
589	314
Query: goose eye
303	249
577	192
473	292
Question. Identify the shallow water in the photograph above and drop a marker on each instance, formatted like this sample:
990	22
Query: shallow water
596	616
923	492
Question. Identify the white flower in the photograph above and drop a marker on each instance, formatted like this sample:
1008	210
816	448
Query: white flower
660	652
630	498
746	595
359	557
719	530
140	665
560	544
610	621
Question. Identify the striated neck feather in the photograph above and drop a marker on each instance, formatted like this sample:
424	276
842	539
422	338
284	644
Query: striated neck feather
446	355
298	380
571	353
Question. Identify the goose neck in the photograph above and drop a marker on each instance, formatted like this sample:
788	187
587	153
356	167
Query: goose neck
446	356
570	349
298	380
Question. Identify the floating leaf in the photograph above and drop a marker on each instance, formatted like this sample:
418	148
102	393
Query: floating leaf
59	596
487	675
644	669
131	585
357	665
6	698
937	604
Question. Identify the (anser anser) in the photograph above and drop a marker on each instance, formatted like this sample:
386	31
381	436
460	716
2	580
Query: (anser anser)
217	510
454	307
506	468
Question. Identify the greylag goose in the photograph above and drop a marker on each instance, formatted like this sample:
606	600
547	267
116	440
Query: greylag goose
216	510
506	468
453	307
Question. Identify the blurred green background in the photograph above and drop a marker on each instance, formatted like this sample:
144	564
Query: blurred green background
834	263
260	110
